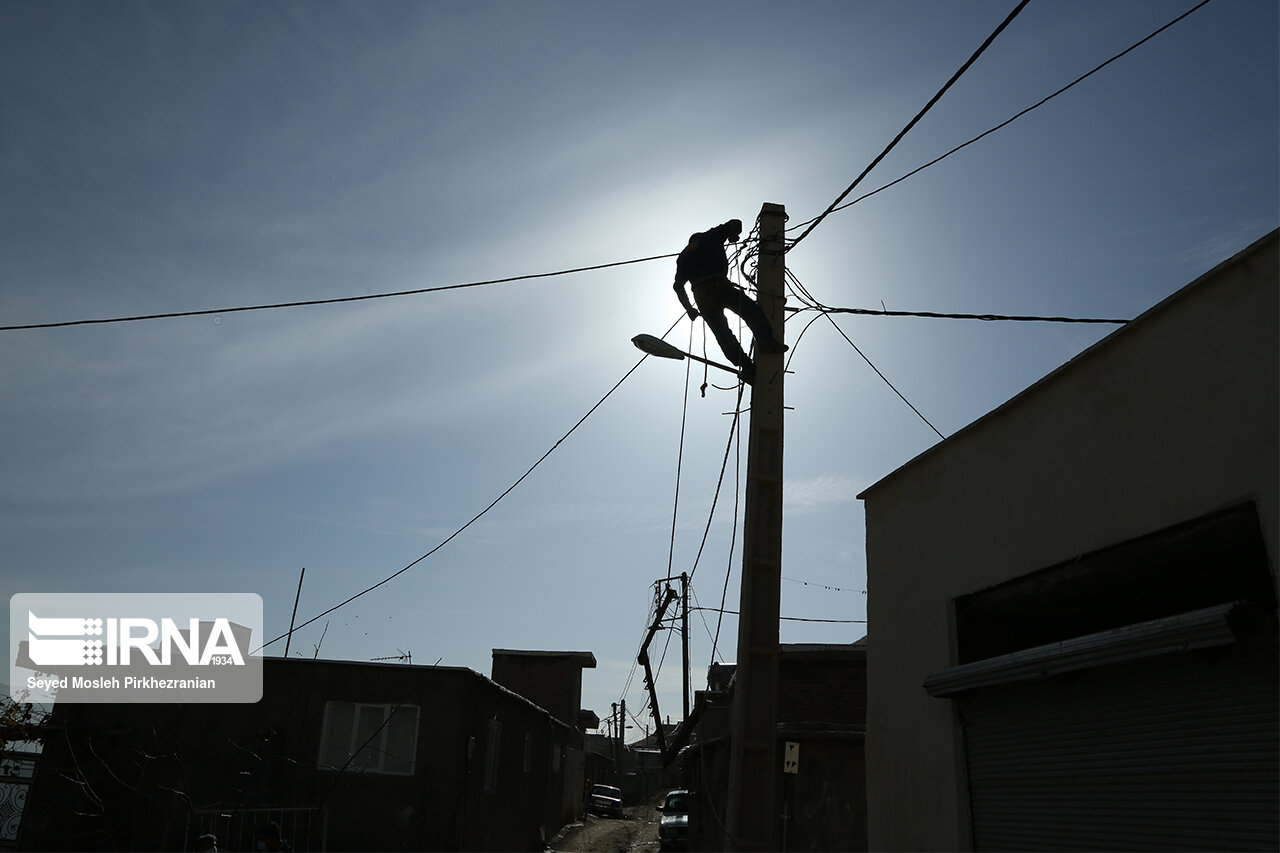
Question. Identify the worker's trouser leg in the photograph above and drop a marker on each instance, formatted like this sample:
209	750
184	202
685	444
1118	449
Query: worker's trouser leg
714	297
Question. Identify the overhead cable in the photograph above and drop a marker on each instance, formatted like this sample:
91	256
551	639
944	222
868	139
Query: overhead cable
684	416
802	293
733	538
793	618
482	512
715	500
882	376
954	77
938	315
823	585
333	301
1011	119
810	224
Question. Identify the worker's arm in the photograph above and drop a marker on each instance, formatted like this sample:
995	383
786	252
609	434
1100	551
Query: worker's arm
684	298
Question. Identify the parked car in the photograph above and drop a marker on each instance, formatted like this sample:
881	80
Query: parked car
673	829
605	800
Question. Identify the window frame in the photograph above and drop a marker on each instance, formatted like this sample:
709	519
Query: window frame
379	758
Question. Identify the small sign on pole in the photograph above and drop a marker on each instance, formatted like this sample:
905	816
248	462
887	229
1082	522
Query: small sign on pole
791	758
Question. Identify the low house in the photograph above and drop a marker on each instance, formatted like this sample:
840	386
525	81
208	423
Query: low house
1074	598
342	755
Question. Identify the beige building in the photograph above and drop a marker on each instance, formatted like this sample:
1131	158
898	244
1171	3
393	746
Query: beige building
1074	598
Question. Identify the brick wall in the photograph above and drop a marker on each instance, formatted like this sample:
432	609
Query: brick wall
547	679
822	684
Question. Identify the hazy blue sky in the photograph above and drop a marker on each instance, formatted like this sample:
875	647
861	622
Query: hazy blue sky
174	156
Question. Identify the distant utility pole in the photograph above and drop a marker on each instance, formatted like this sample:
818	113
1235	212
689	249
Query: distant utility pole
684	641
617	735
751	820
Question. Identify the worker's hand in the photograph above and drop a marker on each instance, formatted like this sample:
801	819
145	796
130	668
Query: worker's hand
693	314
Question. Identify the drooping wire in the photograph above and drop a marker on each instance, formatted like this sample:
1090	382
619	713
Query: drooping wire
715	500
478	515
893	387
684	414
795	346
954	77
701	615
728	572
802	293
675	509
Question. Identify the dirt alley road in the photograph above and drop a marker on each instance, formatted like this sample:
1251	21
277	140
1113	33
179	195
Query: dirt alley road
637	832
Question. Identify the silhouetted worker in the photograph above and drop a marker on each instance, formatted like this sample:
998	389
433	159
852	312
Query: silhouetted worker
705	266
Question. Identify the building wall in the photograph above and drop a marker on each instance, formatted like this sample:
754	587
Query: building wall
1166	420
822	683
821	807
149	772
822	708
550	681
826	801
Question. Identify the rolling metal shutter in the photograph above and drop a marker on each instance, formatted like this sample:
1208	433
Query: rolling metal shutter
1164	751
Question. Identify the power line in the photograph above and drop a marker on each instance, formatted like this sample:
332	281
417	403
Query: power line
811	302
882	376
1013	118
482	512
333	301
823	586
954	77
937	315
705	625
793	618
684	416
810	223
733	539
715	500
802	293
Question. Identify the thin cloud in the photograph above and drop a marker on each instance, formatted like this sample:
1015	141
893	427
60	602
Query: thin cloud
815	494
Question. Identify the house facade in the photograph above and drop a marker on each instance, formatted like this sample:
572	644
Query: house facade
822	701
342	755
1074	598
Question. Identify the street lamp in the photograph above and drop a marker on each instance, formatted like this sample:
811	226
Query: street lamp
662	349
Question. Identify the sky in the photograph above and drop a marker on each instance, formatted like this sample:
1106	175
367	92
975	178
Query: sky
182	156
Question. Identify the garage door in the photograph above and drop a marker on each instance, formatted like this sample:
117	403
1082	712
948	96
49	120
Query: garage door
1175	751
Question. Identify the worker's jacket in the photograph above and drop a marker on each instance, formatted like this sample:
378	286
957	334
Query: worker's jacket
705	256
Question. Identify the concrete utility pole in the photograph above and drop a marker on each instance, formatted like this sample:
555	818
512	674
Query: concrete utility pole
684	641
617	735
751	820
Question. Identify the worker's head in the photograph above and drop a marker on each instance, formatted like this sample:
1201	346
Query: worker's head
737	229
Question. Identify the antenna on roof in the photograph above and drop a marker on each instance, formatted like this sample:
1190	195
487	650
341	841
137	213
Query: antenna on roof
402	656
